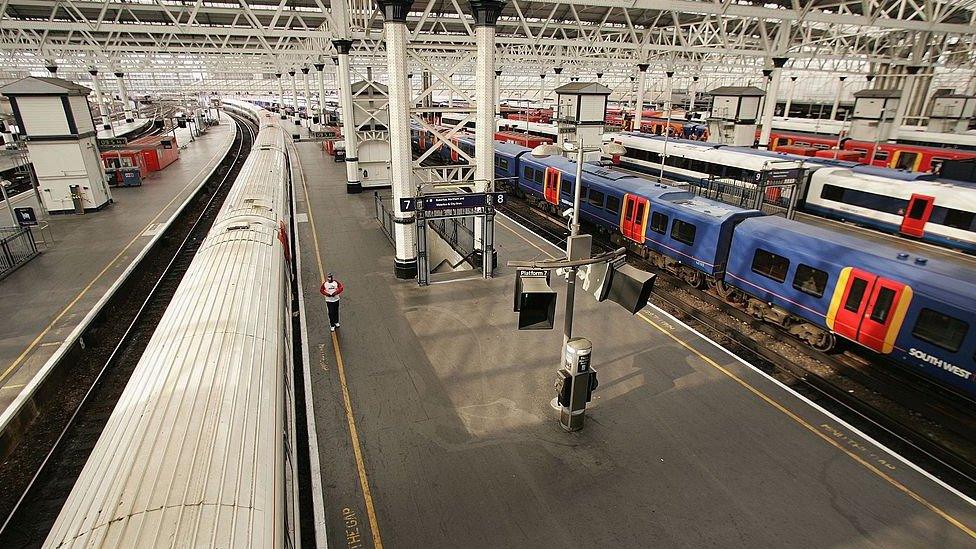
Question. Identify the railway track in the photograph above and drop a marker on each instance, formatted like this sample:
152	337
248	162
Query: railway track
42	469
920	420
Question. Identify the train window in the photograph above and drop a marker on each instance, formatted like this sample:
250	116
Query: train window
539	176
567	188
881	155
940	329
683	232
654	157
596	198
732	172
584	190
502	163
856	295
882	305
613	204
810	280
918	209
528	174
782	141
936	164
770	265
832	193
659	222
959	219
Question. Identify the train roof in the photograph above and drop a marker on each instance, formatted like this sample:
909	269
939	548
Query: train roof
510	149
741	157
944	280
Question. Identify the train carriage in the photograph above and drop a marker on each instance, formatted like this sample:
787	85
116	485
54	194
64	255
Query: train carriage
819	284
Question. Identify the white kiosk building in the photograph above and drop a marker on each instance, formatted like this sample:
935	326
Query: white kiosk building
55	118
371	116
735	110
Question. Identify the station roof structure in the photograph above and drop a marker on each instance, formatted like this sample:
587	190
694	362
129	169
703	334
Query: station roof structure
238	39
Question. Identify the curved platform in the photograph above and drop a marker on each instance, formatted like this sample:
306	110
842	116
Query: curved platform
434	424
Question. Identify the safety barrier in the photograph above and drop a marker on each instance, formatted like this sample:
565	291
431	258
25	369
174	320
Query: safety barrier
384	215
16	248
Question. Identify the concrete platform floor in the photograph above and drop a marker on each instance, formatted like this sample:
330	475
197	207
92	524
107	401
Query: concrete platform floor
435	430
43	301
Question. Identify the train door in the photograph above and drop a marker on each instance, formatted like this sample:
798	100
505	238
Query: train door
633	217
906	160
868	309
552	182
454	153
917	215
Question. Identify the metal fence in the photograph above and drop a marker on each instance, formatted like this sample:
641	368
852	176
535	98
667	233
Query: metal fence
384	215
16	248
772	198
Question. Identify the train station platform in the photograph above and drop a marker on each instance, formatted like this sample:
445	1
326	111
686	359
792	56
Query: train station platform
434	426
43	301
121	128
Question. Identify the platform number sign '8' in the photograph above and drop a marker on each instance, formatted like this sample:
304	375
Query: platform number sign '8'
497	199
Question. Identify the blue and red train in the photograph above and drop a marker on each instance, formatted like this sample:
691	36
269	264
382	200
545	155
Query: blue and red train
817	284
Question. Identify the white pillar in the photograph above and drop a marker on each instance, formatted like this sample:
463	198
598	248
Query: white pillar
486	14
124	95
907	83
308	98
100	98
840	90
353	184
641	89
404	227
789	97
320	67
769	103
294	97
498	92
691	94
667	95
281	97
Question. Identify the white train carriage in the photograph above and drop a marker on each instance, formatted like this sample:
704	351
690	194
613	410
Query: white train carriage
194	454
939	211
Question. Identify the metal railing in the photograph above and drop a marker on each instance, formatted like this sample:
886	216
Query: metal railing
16	248
770	198
384	215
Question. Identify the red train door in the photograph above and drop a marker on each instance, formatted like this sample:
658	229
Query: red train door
882	314
853	302
868	309
633	217
454	153
917	215
553	178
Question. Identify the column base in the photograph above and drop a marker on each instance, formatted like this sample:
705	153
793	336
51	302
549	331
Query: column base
405	269
106	126
284	117
129	120
354	187
477	258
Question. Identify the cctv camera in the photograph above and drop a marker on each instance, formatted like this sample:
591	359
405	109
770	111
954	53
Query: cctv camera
568	214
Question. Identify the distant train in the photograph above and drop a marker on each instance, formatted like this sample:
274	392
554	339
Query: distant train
200	449
819	285
912	204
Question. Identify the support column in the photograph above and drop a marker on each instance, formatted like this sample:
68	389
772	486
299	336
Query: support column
294	97
320	67
102	108
691	94
667	93
789	97
124	95
498	92
641	90
281	97
404	233
840	91
308	99
486	14
769	103
555	85
542	91
906	92
353	184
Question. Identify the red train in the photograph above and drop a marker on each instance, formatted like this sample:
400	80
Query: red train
912	158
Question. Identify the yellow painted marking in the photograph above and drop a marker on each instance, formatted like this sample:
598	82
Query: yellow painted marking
898	319
839	288
17	386
98	277
340	366
901	487
898	485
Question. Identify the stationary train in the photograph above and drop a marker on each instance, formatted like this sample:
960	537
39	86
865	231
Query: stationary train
912	204
818	285
196	452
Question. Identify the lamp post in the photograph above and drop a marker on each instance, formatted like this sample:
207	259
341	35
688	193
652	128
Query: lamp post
611	149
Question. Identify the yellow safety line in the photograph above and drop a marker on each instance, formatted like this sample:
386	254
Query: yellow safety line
346	399
33	344
950	519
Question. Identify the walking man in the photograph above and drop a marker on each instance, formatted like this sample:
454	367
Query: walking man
331	289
